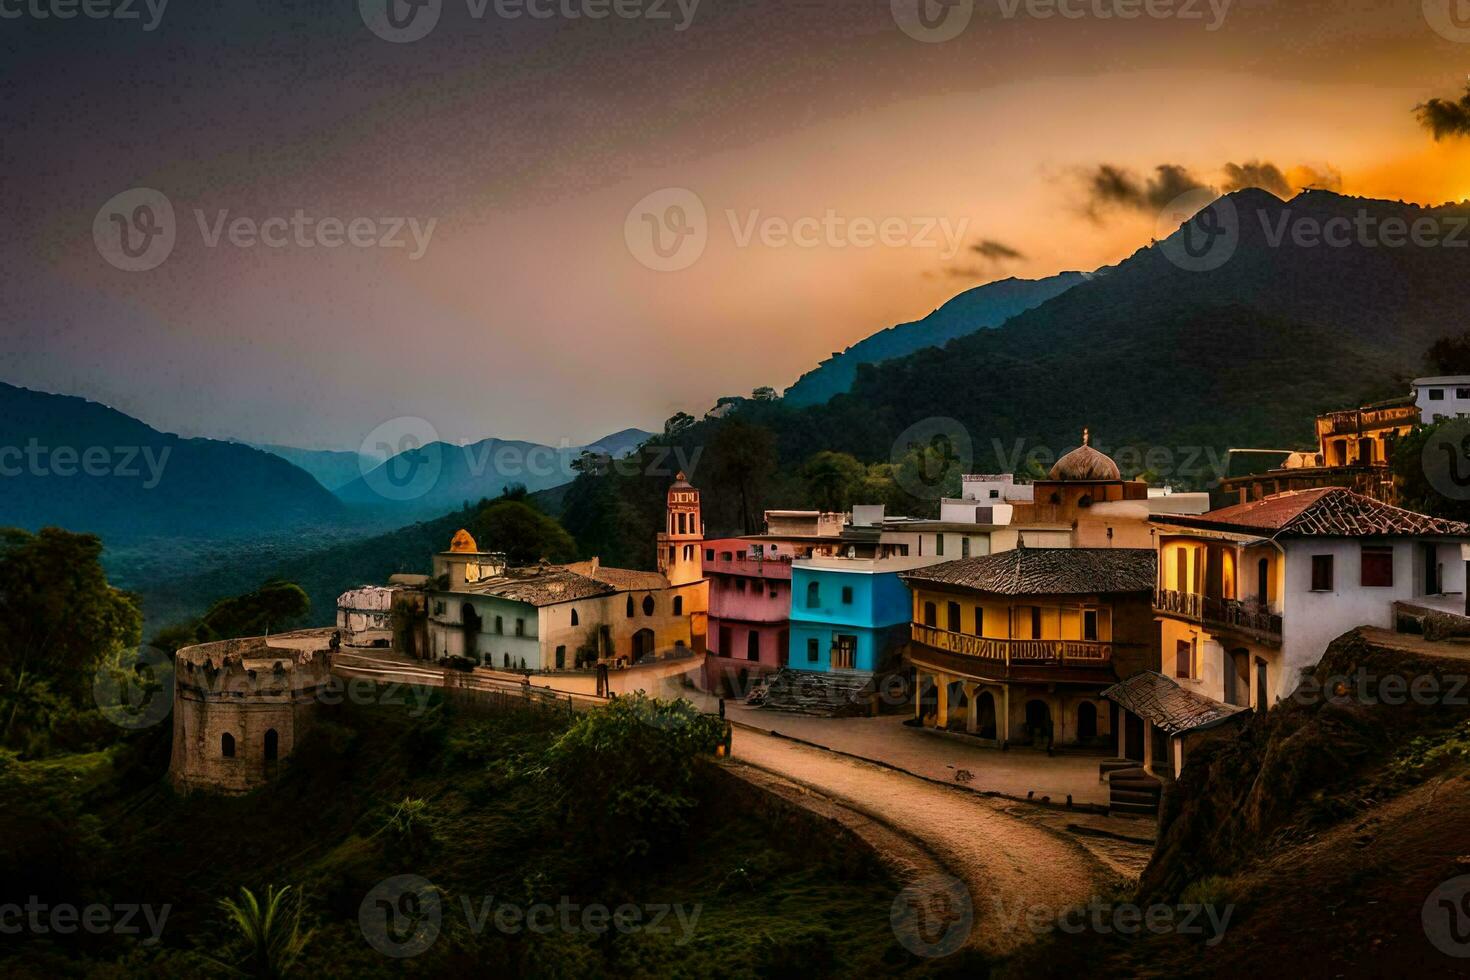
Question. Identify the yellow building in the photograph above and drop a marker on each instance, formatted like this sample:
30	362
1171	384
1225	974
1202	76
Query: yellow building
1017	647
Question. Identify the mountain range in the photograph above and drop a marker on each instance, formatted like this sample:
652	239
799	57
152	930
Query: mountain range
980	308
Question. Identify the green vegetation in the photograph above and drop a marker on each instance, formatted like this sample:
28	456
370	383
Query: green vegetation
60	621
516	808
272	608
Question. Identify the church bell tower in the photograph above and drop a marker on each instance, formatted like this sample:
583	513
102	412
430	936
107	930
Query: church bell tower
680	544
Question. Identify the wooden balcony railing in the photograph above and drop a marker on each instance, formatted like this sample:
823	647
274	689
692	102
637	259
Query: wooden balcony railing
1029	652
1238	614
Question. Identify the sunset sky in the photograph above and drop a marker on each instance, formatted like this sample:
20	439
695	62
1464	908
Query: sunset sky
528	141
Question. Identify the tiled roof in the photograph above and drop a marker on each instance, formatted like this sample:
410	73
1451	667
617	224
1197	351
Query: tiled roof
1335	512
546	585
1164	703
1048	571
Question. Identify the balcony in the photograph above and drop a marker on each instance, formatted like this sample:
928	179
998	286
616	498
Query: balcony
1009	653
1249	618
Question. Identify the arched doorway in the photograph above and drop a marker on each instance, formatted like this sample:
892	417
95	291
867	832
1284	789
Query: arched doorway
959	707
1086	721
985	715
470	622
227	745
1038	722
272	745
642	644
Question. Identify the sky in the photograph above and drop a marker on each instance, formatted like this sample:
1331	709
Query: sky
553	227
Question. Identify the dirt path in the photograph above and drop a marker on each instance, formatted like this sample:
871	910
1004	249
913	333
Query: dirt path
1010	864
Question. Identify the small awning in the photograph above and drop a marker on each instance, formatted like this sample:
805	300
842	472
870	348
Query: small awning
1166	705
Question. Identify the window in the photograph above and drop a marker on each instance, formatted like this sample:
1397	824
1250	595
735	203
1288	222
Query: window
629	607
1436	394
995	495
227	745
726	556
847	595
499	625
952	617
813	595
1462	392
561	658
931	614
1184	659
709	554
520	626
979	621
1377	567
272	745
964	547
740	585
939	544
725	642
648	605
1089	624
575	621
811	650
678	605
1035	622
439	608
752	645
682	526
1321	573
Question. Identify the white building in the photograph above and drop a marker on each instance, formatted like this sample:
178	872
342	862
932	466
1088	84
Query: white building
1442	398
1250	595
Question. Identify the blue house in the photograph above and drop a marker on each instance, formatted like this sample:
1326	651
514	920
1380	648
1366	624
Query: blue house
849	613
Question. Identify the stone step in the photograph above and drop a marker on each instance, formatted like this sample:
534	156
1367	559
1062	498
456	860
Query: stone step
1143	808
1134	796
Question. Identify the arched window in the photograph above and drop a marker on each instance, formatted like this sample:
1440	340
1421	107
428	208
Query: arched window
575	621
227	745
630	607
648	605
678	605
272	745
813	595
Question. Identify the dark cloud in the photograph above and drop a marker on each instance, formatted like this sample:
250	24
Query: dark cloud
1257	173
998	251
1317	179
1445	117
1113	187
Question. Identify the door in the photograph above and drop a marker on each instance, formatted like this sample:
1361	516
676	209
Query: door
1261	703
1263	582
642	644
1431	568
844	652
471	623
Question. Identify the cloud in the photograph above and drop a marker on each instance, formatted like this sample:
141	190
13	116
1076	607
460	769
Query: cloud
1444	117
993	256
1256	173
1326	178
998	251
1113	187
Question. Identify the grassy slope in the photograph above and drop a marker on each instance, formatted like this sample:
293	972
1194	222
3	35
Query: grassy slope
773	901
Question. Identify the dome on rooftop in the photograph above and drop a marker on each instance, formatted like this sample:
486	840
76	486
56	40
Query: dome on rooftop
1085	464
463	543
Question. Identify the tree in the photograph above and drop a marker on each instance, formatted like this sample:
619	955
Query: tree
1451	355
744	457
765	393
59	619
274	607
1428	465
677	423
524	533
833	480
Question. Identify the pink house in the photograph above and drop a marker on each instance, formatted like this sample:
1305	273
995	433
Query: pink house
750	595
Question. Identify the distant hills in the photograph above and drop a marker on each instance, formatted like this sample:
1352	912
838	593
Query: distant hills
975	309
76	464
333	468
441	477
